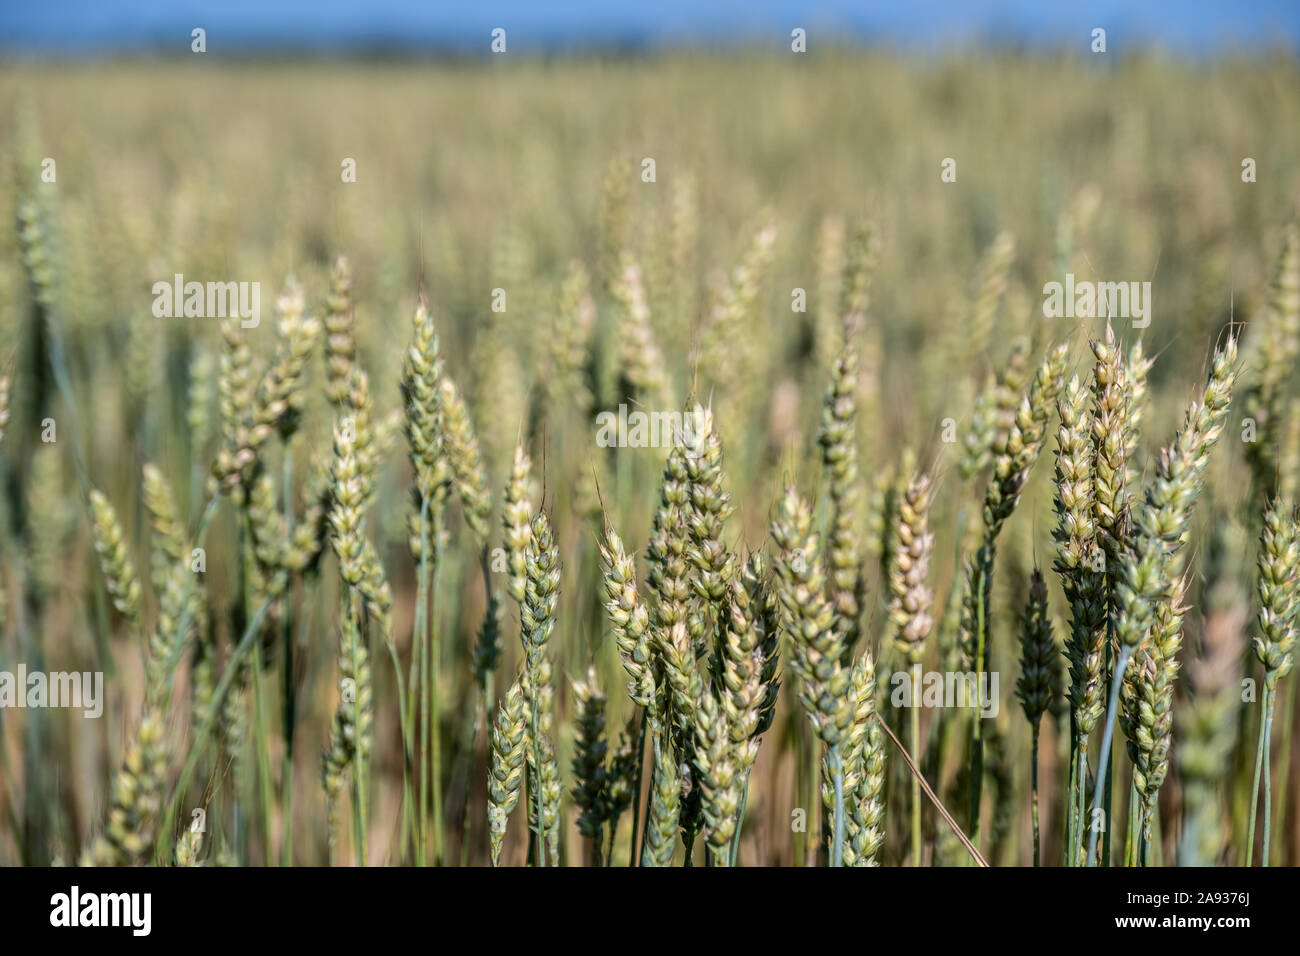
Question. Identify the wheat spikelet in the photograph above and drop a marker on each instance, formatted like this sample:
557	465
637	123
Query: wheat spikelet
235	391
718	778
537	619
1037	685
346	515
590	746
114	561
340	334
743	653
506	764
710	506
1015	454
35	250
277	405
348	738
171	545
188	847
994	411
684	686
1110	472
551	791
461	448
202	387
1273	351
537	622
613	218
1136	368
307	542
631	622
1278	597
135	801
990	286
864	774
641	364
666	550
517	511
570	342
662	815
1076	537
910	595
1160	525
422	421
838	440
817	648
728	345
1149	699
622	773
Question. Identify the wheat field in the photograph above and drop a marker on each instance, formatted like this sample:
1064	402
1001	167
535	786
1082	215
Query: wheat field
665	460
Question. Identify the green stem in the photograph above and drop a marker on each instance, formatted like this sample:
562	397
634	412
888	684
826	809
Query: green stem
916	755
983	566
837	772
289	713
1107	736
408	810
359	809
740	820
421	634
266	785
204	731
536	783
1261	758
1271	699
1110	764
800	837
432	719
636	796
1284	766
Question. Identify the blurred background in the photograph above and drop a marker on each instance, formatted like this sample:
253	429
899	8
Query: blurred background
774	171
62	27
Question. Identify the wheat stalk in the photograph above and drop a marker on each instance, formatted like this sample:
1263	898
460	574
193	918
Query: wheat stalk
818	647
1278	590
1160	527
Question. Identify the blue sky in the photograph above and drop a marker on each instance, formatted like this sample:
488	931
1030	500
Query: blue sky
65	27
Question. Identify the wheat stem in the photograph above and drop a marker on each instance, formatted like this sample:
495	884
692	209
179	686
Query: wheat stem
1107	736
